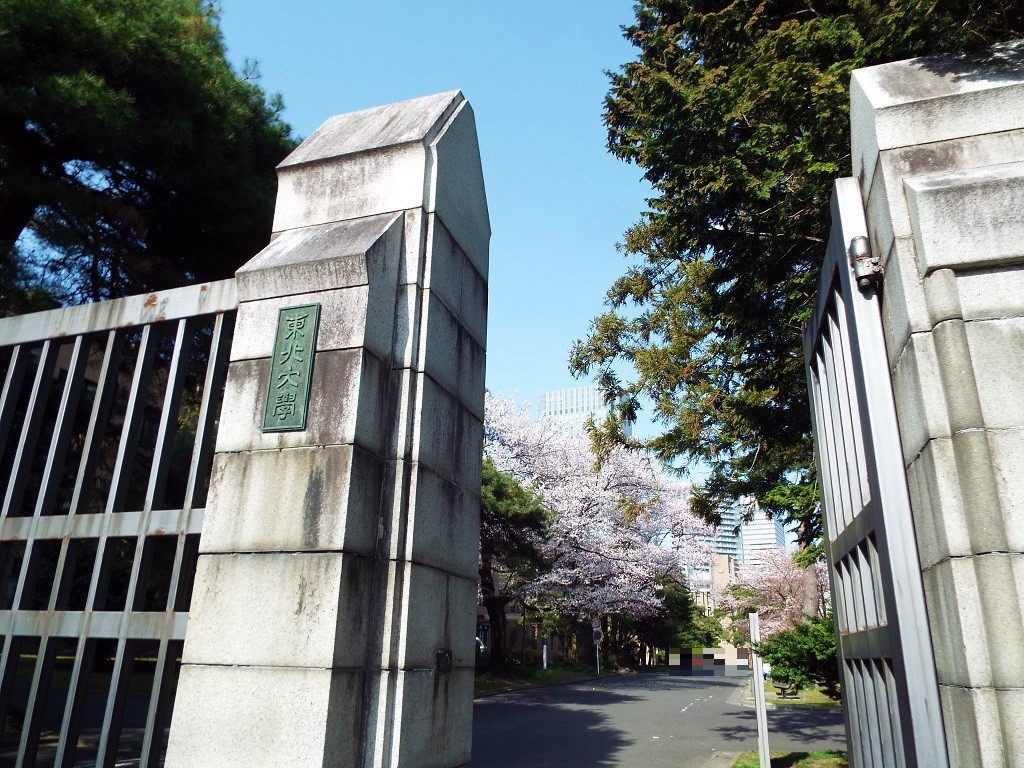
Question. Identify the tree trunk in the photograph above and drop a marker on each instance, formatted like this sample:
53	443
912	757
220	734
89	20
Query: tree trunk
495	606
812	597
496	615
811	594
585	643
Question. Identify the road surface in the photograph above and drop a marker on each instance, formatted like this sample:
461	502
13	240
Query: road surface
639	721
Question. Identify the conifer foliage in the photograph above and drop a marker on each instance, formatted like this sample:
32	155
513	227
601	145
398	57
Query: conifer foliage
129	148
738	114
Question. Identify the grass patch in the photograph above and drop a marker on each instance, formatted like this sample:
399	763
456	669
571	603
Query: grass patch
808	696
484	682
827	759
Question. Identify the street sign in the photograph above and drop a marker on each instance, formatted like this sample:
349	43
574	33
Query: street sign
597	635
595	623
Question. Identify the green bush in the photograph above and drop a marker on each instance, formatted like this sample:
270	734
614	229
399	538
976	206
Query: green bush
803	655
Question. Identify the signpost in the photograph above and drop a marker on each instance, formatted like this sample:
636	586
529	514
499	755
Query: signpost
759	703
596	624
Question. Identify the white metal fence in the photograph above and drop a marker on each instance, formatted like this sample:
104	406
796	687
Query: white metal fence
889	684
108	414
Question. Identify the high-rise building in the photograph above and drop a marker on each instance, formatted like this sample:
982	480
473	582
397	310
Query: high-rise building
743	541
573	406
760	534
727	534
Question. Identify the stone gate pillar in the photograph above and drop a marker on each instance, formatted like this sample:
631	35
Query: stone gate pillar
938	150
332	622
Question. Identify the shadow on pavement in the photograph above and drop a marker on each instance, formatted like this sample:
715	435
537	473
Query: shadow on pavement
795	726
661	681
545	735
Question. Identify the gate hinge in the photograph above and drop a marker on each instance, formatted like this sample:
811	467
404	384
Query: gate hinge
866	268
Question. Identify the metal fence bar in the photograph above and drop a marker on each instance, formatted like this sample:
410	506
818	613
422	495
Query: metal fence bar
823	457
110	733
91	343
168	414
29	430
216	370
870	710
12	386
123	662
144	309
856	461
32	724
71	722
120	524
151	738
852	402
852	714
105	386
142	625
894	715
837	446
62	427
887	742
159	696
132	421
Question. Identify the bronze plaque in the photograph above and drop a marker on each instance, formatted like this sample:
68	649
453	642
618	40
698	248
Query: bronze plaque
291	369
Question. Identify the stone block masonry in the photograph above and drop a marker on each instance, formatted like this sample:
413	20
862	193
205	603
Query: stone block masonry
332	622
938	150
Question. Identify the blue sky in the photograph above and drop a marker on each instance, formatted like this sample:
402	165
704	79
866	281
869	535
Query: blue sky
534	73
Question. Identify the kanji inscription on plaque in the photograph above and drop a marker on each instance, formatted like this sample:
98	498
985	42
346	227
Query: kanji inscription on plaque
291	369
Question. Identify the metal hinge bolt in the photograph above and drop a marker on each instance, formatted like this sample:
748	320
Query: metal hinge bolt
866	268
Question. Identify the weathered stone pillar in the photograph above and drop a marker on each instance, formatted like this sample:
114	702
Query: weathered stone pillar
938	148
332	622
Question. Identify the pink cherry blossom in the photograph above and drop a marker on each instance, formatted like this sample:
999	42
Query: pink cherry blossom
616	530
776	587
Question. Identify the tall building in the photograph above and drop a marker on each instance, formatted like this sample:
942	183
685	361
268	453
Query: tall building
573	406
727	534
760	534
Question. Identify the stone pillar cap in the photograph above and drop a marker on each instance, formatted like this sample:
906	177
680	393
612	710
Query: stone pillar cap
930	99
416	154
404	122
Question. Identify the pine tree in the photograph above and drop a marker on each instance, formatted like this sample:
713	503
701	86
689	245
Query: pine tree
130	150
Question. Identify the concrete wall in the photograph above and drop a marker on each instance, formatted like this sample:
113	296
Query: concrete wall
938	149
332	622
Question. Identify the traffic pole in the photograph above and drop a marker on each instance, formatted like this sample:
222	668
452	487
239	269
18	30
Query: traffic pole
759	703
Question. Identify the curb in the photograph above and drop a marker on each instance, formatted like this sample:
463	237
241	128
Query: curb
721	760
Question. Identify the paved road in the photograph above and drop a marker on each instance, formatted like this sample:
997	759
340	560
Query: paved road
638	721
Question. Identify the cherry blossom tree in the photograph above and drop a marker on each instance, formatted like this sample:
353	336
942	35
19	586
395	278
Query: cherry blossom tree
776	587
617	530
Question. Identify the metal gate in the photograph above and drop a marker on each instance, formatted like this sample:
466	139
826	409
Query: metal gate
888	671
107	418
